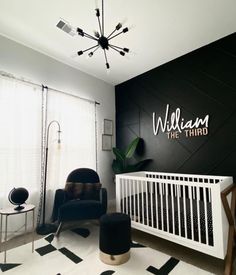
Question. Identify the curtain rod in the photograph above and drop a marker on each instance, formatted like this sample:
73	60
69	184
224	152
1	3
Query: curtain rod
5	74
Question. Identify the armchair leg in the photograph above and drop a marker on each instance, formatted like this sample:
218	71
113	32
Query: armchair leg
58	229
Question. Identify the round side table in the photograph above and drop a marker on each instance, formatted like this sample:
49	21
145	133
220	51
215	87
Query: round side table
10	212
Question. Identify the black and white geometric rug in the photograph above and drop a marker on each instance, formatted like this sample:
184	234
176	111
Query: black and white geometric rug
76	253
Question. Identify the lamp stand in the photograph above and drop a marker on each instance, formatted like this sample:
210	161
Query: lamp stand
43	228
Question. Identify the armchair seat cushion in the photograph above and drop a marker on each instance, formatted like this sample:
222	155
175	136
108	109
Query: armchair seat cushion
79	210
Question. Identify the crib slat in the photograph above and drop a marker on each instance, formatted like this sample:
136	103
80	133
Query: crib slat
190	188
198	216
134	200
172	208
147	203
130	198
167	207
205	214
138	192
151	193
161	197
142	183
126	195
185	215
210	198
178	211
122	195
157	214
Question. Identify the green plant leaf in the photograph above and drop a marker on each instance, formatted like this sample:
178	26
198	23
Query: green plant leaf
131	148
117	167
119	154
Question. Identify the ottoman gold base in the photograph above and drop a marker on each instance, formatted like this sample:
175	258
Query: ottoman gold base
114	259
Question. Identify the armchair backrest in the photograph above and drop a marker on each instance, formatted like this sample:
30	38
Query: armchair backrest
83	175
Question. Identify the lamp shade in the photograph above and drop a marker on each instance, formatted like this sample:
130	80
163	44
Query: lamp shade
18	196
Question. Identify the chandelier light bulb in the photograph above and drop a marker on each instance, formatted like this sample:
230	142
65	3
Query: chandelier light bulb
97	12
118	26
80	31
97	34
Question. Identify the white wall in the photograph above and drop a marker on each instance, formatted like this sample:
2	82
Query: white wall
27	63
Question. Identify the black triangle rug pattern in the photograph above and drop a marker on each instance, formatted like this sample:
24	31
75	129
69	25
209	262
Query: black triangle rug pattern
165	269
50	238
45	249
6	267
69	254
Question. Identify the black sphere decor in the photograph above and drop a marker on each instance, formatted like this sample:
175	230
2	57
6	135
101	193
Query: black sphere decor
18	196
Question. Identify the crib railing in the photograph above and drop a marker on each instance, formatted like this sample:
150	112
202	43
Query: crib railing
182	208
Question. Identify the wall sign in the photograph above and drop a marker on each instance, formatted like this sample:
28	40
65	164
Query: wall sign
174	124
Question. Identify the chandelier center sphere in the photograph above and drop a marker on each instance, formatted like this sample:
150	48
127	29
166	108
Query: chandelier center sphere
103	42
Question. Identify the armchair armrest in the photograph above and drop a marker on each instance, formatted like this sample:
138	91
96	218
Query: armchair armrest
103	199
60	199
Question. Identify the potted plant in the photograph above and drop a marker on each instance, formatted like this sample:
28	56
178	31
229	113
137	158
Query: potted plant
122	163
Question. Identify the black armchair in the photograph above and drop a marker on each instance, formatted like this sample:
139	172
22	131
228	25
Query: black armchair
90	204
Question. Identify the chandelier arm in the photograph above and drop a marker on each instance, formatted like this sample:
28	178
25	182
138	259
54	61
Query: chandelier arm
115	35
89	48
118	26
105	55
102	18
94	51
111	34
99	22
114	48
82	33
90	36
110	45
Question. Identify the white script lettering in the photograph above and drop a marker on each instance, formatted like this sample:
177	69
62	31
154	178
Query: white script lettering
174	122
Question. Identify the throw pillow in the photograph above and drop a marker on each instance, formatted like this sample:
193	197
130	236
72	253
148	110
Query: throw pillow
91	191
78	189
69	190
74	190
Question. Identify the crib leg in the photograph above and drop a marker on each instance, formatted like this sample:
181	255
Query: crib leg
229	255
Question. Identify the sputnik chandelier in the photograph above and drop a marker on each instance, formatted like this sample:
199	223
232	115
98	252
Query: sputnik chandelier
102	40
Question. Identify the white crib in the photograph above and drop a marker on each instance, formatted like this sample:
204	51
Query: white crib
182	208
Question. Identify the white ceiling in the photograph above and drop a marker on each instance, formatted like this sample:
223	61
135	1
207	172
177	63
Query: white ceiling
160	30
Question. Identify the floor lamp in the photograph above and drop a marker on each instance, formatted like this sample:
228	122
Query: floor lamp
43	228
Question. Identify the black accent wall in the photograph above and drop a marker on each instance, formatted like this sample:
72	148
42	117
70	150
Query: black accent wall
200	83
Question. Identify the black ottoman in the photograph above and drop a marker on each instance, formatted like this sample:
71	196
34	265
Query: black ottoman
115	238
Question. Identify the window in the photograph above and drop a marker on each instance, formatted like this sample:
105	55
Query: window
20	139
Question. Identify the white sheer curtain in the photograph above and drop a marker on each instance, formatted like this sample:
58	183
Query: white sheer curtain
20	141
77	149
20	134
